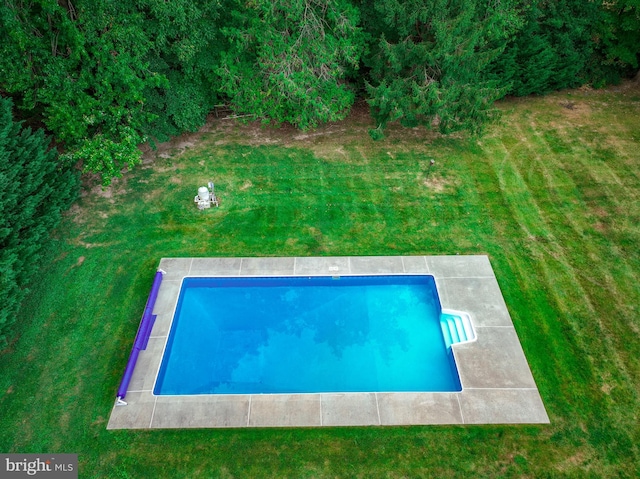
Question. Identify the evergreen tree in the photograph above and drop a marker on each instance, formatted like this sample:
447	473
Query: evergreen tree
427	65
288	59
34	191
553	50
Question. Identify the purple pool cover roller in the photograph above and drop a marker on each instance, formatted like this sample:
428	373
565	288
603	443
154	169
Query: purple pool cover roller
142	337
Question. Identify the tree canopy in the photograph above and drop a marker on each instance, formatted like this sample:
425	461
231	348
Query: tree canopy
36	188
104	76
107	75
287	59
428	62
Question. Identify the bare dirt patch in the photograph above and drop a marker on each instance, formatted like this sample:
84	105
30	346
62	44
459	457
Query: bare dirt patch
184	144
78	214
173	147
437	184
78	263
576	111
153	196
571	462
87	245
102	192
326	141
92	189
600	212
74	210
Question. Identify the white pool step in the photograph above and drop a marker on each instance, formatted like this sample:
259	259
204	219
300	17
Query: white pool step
456	327
453	331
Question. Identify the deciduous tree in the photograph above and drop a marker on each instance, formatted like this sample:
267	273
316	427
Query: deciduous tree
619	37
186	49
106	74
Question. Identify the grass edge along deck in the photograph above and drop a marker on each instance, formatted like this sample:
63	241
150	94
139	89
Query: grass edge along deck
498	387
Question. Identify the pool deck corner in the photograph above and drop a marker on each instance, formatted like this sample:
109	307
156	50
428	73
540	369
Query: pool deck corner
498	387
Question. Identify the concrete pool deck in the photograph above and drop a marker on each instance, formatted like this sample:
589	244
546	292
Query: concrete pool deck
498	387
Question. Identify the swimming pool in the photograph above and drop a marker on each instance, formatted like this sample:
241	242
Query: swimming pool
498	385
262	335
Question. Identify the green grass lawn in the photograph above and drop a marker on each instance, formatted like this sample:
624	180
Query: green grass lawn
552	195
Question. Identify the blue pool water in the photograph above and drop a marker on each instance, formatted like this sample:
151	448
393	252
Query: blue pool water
307	335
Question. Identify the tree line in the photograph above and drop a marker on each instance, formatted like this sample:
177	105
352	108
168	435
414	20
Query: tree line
104	76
